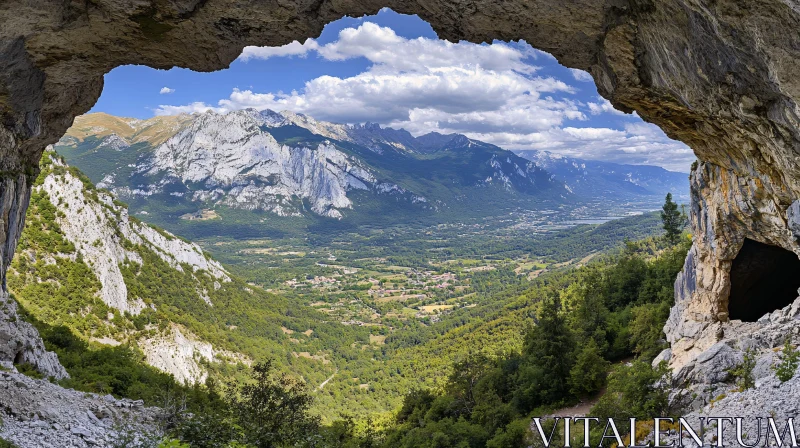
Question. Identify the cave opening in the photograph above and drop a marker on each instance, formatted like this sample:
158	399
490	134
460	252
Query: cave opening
764	278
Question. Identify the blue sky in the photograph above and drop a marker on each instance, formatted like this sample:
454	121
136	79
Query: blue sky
392	69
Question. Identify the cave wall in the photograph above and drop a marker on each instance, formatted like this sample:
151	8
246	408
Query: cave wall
726	208
719	75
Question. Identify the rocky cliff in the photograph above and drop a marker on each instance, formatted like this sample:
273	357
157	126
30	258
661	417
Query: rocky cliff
99	228
20	343
78	230
39	414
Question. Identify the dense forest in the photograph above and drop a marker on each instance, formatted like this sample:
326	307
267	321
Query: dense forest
585	321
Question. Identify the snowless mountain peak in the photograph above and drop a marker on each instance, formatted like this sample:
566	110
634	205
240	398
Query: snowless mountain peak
291	164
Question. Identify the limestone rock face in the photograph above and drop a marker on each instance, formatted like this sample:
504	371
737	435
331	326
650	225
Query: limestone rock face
727	209
180	353
243	167
98	227
103	236
699	379
20	343
719	75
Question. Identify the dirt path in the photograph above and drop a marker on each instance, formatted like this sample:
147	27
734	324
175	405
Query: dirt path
579	410
326	381
582	409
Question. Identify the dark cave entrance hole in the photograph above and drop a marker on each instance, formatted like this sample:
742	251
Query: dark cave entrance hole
764	278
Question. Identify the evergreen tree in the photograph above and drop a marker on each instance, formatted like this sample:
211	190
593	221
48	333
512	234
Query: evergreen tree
549	345
647	329
744	371
790	359
588	375
672	219
622	281
590	314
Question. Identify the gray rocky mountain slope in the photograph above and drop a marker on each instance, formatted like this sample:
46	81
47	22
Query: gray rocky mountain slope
38	414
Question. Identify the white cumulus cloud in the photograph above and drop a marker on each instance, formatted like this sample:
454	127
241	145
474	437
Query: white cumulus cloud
191	108
636	143
454	93
293	49
603	106
390	52
492	92
165	90
581	75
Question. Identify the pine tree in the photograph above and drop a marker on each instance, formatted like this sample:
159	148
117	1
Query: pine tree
672	219
589	314
744	371
549	345
790	359
588	375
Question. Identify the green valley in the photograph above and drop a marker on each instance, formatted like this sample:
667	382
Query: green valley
362	301
362	317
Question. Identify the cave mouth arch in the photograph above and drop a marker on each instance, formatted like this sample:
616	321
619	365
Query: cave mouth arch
764	278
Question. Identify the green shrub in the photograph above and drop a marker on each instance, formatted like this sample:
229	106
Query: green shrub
6	444
270	410
743	373
790	358
516	433
29	370
638	390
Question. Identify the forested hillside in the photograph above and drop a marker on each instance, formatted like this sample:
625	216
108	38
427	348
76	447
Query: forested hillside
112	281
579	324
368	326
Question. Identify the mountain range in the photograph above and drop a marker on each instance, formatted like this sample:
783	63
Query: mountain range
292	165
85	268
594	178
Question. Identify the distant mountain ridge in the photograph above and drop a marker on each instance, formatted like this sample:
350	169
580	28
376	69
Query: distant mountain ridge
291	165
597	178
